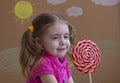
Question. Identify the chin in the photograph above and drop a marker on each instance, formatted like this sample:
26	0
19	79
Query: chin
62	54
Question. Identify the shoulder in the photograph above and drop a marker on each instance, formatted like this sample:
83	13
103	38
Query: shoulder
44	64
43	67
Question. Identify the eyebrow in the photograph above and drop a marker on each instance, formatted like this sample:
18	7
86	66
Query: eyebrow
59	34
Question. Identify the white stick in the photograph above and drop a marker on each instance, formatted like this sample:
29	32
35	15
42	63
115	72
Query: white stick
90	77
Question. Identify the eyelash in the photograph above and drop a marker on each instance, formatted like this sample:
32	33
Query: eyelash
55	38
66	37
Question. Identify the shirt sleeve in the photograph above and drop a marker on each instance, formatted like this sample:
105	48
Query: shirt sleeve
45	68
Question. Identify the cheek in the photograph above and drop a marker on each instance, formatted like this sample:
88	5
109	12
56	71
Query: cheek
68	45
50	45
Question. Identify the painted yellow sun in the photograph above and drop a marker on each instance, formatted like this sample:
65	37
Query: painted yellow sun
23	10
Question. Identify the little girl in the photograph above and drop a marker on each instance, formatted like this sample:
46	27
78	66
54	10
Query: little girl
43	49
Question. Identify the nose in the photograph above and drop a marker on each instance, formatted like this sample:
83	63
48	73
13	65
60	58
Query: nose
62	41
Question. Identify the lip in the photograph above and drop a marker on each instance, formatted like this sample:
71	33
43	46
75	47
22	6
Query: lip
61	48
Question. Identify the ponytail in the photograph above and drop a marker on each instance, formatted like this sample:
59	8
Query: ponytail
72	35
28	53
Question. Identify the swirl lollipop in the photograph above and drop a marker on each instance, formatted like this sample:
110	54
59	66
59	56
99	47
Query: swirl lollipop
86	57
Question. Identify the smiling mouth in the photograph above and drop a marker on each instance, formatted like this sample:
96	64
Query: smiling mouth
61	49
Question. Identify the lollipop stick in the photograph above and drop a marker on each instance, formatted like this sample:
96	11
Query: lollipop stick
90	77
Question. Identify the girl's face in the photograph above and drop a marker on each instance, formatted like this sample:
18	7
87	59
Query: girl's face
56	39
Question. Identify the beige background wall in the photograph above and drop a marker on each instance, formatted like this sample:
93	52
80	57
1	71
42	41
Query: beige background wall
98	23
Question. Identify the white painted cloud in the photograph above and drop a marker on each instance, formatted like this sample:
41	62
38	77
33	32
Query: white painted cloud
55	2
74	11
106	2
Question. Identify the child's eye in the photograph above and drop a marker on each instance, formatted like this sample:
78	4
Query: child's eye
55	37
66	37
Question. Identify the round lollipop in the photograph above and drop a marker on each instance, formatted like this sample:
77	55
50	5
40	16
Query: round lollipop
86	56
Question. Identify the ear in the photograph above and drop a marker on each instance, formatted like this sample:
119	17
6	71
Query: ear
38	43
37	40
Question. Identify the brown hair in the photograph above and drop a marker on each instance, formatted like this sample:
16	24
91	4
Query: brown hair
30	52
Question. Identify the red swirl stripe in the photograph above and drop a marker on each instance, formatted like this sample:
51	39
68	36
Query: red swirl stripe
86	56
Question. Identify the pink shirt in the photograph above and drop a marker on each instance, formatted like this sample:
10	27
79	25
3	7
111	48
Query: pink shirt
51	65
